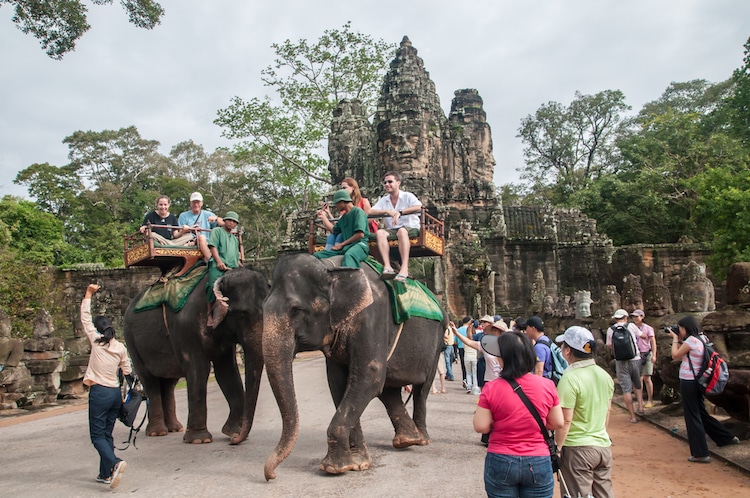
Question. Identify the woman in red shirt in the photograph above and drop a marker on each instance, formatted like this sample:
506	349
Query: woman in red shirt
518	458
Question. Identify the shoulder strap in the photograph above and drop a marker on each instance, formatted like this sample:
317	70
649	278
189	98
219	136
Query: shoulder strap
526	401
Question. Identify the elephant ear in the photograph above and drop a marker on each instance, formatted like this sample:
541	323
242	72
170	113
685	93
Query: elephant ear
350	293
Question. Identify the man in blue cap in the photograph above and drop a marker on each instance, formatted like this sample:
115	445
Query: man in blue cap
352	225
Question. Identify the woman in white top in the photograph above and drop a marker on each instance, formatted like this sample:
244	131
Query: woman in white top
688	348
108	355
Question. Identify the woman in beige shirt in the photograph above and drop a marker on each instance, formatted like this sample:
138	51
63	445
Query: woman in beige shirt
108	355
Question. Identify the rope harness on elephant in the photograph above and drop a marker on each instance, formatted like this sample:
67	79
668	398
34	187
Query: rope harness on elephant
395	342
164	316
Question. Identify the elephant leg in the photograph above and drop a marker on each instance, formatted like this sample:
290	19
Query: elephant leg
346	445
419	400
156	425
228	377
168	405
197	378
406	432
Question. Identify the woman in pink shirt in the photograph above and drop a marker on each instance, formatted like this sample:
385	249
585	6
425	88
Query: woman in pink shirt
108	355
518	458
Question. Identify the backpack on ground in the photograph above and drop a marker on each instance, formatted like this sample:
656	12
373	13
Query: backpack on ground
714	373
559	363
623	344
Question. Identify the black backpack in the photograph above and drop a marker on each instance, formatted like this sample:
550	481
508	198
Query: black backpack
623	344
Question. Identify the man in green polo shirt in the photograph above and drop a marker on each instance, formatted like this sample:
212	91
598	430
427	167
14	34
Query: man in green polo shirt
585	392
225	255
352	225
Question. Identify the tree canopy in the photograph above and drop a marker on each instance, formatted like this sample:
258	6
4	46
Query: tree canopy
59	24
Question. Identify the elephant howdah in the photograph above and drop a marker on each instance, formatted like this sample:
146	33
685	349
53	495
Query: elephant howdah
166	346
346	313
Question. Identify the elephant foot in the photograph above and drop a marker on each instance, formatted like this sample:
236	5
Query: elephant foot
175	427
197	437
156	429
358	460
231	429
403	441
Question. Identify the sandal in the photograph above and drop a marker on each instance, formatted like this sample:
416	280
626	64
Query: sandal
400	278
388	274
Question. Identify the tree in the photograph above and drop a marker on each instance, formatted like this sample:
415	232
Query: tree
566	148
58	24
738	104
54	188
281	141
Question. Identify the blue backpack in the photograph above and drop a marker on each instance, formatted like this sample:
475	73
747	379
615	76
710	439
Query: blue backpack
559	364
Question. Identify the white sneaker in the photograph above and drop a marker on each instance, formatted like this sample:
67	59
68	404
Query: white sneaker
117	473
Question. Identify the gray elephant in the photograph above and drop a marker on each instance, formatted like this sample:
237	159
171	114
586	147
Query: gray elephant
346	313
166	346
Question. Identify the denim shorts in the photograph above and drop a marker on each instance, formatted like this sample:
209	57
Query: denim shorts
518	476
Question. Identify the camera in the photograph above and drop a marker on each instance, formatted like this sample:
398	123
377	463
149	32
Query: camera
672	329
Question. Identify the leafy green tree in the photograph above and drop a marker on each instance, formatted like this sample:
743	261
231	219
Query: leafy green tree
738	104
58	24
566	148
54	188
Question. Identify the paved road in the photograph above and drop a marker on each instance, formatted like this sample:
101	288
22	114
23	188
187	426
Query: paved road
53	456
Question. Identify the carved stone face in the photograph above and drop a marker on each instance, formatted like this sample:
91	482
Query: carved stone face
583	304
610	301
549	305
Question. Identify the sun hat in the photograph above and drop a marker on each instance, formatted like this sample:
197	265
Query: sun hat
578	338
231	215
621	313
487	318
196	196
341	195
490	345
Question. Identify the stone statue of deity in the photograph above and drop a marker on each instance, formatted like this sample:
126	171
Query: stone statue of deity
562	307
538	290
583	304
548	308
11	350
609	302
656	296
632	293
695	291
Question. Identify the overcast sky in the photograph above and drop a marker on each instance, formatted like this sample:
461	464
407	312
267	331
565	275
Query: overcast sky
170	82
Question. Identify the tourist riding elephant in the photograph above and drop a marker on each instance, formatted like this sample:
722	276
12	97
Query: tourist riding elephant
346	313
166	346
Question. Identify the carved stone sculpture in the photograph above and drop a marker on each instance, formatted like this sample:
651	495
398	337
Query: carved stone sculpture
562	308
609	302
583	304
696	291
11	350
538	290
656	296
632	293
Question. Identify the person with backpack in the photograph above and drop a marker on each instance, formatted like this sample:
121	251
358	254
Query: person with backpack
689	347
621	340
535	331
108	355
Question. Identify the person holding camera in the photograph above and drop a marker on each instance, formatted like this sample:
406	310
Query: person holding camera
518	457
688	346
108	355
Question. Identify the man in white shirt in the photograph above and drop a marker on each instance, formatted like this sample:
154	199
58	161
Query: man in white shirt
398	209
628	370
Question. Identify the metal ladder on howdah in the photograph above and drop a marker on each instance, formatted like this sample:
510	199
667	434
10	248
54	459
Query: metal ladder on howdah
429	242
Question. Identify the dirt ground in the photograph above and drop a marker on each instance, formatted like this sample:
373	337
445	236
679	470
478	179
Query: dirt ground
648	462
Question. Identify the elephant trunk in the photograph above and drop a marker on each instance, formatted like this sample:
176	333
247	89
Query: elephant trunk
278	354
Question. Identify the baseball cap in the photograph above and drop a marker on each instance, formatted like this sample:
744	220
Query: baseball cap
578	338
621	313
638	313
196	196
535	322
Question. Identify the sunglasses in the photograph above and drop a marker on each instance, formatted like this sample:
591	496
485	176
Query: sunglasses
389	181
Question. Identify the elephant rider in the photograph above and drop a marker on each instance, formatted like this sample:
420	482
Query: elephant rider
225	255
352	225
162	216
195	220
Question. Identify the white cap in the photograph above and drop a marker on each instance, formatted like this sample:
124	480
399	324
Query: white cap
196	196
578	338
621	313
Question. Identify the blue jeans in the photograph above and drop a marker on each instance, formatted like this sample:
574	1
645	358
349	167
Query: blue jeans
448	354
104	403
507	476
332	239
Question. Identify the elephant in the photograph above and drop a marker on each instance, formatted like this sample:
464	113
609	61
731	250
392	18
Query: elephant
165	346
346	313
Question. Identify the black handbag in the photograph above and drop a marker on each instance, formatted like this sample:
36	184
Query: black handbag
549	436
129	408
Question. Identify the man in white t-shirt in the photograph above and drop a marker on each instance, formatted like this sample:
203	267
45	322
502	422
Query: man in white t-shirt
398	209
628	371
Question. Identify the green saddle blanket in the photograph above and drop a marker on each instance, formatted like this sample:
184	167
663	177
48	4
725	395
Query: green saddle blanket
410	298
170	290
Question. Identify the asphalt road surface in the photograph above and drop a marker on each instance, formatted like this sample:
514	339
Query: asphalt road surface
53	456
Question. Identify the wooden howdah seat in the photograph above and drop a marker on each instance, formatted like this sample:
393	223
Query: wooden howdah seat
142	250
429	242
